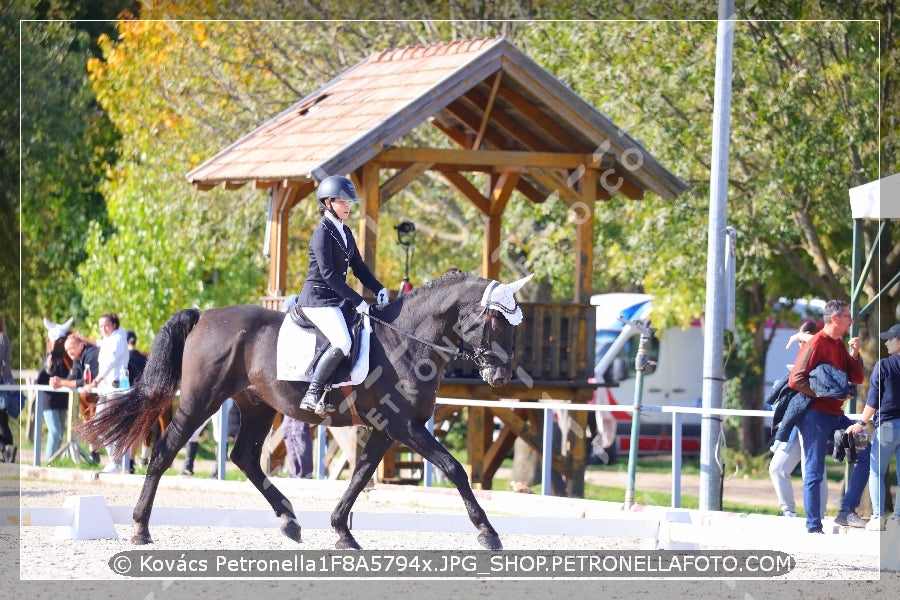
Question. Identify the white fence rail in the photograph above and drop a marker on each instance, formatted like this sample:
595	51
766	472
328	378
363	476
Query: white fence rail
546	406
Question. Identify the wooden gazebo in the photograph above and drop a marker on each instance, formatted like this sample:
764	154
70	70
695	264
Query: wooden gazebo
505	116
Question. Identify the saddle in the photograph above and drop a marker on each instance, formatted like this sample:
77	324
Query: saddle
354	322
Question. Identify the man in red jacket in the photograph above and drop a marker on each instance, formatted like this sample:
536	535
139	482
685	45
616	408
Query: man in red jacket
824	415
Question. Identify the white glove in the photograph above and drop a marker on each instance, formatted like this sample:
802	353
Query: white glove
363	307
383	297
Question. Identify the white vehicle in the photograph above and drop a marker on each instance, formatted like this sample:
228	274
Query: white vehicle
675	375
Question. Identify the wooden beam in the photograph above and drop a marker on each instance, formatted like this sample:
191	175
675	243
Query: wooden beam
535	116
487	111
400	180
461	138
516	130
278	238
490	254
485	158
502	189
479	420
529	434
457	135
584	236
465	187
264	185
537	391
552	181
368	214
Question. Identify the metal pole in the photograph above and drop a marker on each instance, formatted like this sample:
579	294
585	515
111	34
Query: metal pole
222	452
640	363
547	454
676	460
322	445
713	367
429	468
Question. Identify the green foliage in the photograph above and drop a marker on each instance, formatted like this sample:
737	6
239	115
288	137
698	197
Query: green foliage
142	243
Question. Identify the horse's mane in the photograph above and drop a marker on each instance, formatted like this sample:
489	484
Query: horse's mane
451	278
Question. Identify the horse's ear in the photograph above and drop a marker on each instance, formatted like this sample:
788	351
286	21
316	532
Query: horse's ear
48	323
65	326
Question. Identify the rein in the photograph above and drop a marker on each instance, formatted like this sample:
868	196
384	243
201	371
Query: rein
477	356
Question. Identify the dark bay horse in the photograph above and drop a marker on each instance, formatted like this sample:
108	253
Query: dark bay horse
229	352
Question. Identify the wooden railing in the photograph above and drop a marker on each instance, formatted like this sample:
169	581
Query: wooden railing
554	343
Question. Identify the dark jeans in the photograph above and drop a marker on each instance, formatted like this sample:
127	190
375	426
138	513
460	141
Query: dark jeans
817	428
298	444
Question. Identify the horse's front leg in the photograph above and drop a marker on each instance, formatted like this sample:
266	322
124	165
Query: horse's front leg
372	453
431	450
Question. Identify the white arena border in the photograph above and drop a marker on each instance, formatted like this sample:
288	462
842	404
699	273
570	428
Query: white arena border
659	528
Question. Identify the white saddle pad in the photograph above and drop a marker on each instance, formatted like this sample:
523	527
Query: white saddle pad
296	348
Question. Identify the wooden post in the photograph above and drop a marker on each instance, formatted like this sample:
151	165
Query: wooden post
479	419
367	189
584	234
278	240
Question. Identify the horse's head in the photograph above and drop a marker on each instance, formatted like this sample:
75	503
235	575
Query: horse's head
490	330
59	361
57	331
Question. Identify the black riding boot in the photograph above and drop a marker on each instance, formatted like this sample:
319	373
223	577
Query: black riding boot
314	399
190	453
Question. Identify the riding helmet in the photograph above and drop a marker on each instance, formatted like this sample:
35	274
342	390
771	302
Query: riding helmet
335	186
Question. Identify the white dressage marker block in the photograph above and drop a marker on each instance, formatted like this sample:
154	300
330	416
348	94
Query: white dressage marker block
90	519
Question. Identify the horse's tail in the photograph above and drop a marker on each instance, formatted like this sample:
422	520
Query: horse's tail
126	416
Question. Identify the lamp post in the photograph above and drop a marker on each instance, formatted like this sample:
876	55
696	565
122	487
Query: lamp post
405	236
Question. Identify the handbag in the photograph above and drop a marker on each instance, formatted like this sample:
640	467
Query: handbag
13	401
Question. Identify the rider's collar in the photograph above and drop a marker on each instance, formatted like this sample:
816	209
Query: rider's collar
501	297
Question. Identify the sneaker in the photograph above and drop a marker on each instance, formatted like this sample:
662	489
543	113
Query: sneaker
816	531
875	524
850	519
788	513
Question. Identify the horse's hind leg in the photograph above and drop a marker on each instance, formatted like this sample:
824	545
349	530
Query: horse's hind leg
431	450
256	420
164	451
372	453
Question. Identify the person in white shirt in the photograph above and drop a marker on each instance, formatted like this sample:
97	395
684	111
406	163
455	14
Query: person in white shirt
112	359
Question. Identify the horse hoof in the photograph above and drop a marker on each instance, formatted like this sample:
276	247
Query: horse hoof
347	544
490	542
291	529
140	540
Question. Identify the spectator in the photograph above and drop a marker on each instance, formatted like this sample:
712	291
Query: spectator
112	359
84	356
297	435
193	445
883	409
137	360
54	404
298	447
825	414
787	455
8	449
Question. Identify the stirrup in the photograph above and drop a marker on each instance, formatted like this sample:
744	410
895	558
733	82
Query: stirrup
319	407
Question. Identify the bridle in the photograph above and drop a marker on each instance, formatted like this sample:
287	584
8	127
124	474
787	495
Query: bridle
480	356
